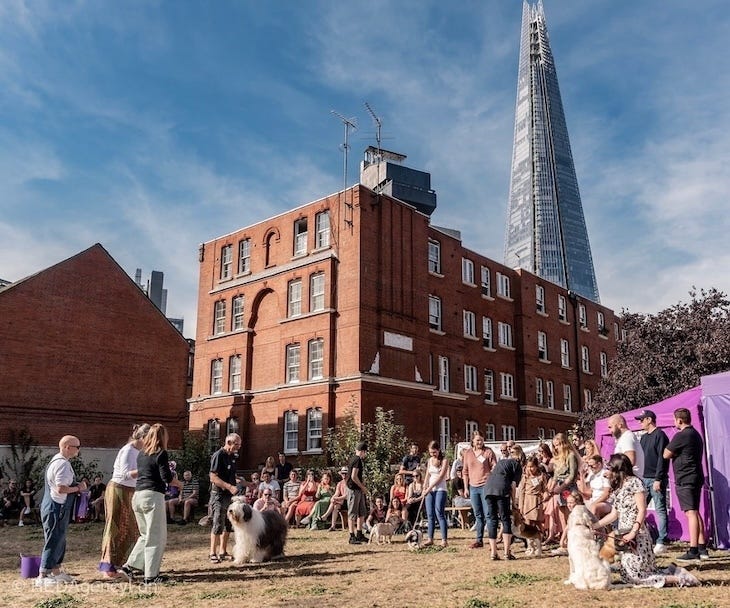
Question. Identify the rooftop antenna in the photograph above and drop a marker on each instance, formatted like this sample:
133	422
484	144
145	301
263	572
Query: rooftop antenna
348	123
378	126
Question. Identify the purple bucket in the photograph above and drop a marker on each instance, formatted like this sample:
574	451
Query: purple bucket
30	565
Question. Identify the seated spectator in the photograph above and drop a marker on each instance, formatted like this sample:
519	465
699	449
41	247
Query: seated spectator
188	499
96	498
267	502
458	462
377	513
291	496
11	501
268	482
270	467
595	487
338	501
251	490
307	493
399	490
414	496
27	495
457	489
325	491
394	514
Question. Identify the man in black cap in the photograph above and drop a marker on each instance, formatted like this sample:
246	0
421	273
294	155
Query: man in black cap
356	492
653	442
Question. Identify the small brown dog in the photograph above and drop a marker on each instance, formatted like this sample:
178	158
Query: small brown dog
381	533
532	533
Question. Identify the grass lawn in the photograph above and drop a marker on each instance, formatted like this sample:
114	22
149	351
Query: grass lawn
321	569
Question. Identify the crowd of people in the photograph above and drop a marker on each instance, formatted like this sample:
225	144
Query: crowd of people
144	494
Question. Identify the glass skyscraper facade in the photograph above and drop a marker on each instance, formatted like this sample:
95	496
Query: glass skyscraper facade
546	230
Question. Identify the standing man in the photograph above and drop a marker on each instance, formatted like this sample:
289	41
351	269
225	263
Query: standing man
410	463
223	488
653	442
478	462
56	510
627	443
685	451
357	508
283	469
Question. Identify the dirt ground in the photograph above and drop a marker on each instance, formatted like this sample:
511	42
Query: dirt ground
322	569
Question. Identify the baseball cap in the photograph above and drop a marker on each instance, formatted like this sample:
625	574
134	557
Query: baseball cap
645	414
343	470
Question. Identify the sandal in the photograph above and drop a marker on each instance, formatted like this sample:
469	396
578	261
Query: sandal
214	558
223	556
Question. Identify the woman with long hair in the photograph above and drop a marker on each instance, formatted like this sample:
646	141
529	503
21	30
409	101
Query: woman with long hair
566	465
435	493
324	494
414	496
638	566
478	462
120	527
148	503
307	494
399	490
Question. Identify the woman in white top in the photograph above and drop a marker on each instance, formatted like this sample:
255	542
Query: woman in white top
437	472
595	487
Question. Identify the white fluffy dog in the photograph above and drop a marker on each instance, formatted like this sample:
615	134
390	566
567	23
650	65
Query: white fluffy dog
381	533
260	535
587	569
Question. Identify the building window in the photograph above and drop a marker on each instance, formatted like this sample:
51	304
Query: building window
322	226
237	313
470	323
615	331
541	433
292	363
539	394
587	398
486	284
314	429
552	433
231	426
434	313
291	432
214	435
564	353
234	374
467	271
488	386
244	256
550	394
505	334
567	398
472	427
226	261
444	432
601	321
316	292
300	237
582	319
604	365
444	374
487	339
562	309
294	301
216	377
508	385
508	432
470	379
585	359
434	257
219	317
542	349
269	249
540	298
490	432
316	358
503	287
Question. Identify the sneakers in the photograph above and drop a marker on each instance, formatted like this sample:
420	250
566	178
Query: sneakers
20	523
156	580
689	557
660	548
62	577
477	544
353	540
128	571
704	555
473	528
47	580
361	537
26	511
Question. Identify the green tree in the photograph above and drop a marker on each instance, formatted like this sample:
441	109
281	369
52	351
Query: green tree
664	354
194	455
25	457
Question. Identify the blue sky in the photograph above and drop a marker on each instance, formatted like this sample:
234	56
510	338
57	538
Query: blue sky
151	127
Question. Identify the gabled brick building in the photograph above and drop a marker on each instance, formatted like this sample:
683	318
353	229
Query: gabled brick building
356	300
83	351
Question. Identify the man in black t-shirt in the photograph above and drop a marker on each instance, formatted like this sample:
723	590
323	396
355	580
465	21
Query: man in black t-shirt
356	491
653	442
282	470
685	451
410	463
223	488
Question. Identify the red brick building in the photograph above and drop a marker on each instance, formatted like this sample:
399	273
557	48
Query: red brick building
356	300
83	351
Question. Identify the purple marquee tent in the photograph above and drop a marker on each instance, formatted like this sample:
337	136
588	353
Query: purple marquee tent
709	405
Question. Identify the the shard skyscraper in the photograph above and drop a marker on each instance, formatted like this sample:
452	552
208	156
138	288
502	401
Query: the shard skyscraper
546	230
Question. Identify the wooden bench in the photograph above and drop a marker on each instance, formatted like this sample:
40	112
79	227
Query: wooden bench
462	513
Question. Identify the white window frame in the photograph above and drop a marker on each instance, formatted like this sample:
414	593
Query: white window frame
294	298
486	282
216	376
467	271
470	324
226	262
490	432
604	365
234	373
601	321
244	256
322	229
550	386
507	385
471	427
488	386
434	256
219	317
237	313
444	385
539	392
587	398
540	298
316	292
564	353
314	429
503	286
434	312
585	356
567	398
300	237
541	432
291	432
470	379
542	346
509	433
487	333
444	432
315	350
505	335
293	362
582	318
562	308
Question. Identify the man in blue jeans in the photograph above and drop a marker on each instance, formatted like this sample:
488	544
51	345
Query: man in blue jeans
653	442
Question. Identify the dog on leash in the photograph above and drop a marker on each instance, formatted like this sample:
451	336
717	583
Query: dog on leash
260	535
588	569
531	533
381	533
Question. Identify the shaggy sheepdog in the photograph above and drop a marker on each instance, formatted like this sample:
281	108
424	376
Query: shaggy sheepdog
260	535
588	570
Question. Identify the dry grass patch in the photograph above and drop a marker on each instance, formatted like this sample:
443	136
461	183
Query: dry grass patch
321	569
